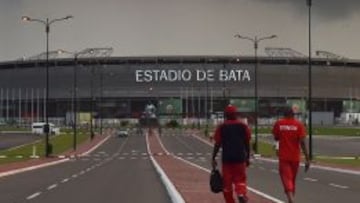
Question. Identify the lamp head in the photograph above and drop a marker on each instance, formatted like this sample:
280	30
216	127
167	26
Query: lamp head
238	36
68	17
25	18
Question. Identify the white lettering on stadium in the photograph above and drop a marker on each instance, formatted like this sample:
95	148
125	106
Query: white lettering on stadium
185	75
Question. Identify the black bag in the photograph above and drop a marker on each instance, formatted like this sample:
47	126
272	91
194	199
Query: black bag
216	182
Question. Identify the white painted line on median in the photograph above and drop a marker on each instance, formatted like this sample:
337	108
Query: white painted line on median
65	180
33	195
96	146
52	187
266	196
170	188
31	168
311	179
326	168
339	186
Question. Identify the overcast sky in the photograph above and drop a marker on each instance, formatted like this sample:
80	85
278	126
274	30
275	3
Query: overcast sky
179	27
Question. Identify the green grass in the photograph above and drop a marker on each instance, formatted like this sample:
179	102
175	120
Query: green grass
339	162
60	143
267	150
13	128
322	131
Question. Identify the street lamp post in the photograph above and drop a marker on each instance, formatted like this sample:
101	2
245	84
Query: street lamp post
47	24
256	41
309	4
75	101
92	103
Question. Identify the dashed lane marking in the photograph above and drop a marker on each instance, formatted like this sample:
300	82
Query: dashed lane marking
274	171
311	179
65	180
74	176
33	195
52	186
339	186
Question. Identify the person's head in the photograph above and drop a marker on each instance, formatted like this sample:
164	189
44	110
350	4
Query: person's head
230	112
289	112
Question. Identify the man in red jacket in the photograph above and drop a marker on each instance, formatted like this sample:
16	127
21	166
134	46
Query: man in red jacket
290	133
233	137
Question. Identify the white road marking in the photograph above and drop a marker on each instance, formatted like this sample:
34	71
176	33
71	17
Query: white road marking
274	171
121	158
339	186
189	153
82	173
179	154
52	187
133	158
74	176
33	196
190	157
311	179
65	180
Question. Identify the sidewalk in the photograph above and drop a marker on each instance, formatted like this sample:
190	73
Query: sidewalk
190	181
83	148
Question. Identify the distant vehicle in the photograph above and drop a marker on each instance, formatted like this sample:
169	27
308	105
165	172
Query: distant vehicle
123	132
38	128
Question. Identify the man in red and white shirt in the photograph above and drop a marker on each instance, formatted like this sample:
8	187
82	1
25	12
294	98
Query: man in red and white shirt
290	133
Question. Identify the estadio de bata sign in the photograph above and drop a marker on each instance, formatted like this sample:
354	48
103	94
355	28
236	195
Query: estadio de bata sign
187	75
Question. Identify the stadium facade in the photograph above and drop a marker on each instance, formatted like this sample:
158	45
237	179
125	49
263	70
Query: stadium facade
183	86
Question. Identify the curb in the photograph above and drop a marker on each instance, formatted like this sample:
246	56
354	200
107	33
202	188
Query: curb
21	170
170	188
62	160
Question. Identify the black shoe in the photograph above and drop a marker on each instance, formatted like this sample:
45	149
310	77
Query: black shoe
242	199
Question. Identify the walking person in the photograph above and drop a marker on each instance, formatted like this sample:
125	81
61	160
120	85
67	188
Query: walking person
290	135
233	136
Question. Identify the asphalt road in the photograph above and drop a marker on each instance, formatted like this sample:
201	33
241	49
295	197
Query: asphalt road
339	146
118	171
9	140
315	186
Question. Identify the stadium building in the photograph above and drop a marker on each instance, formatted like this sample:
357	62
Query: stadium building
178	86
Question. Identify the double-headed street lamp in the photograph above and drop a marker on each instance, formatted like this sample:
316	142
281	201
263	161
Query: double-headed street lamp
47	24
76	55
256	41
